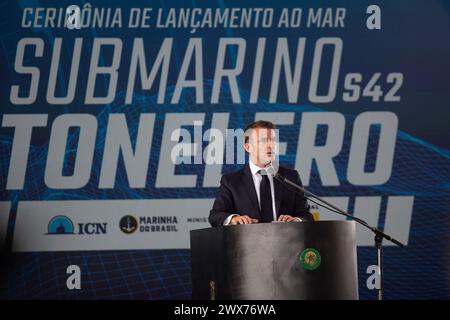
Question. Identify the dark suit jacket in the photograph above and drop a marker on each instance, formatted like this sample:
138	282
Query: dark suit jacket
237	195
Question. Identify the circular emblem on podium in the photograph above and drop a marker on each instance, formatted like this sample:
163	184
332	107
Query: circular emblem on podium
128	224
310	259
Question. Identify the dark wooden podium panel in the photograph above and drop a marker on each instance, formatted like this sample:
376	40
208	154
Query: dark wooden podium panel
263	261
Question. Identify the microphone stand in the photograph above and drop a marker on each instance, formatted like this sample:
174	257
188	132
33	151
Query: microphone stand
379	235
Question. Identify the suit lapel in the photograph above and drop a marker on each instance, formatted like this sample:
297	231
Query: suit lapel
250	187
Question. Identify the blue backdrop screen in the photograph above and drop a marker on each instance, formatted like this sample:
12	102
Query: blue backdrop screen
97	99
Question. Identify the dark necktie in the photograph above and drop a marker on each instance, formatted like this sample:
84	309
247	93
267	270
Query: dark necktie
265	197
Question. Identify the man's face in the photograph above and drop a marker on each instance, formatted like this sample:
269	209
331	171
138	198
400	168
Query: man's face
261	146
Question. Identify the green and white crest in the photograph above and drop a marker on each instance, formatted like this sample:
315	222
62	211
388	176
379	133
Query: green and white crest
310	259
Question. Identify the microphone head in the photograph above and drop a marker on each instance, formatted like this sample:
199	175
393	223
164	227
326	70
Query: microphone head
272	170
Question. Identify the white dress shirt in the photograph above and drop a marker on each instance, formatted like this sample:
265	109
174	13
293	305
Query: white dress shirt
257	177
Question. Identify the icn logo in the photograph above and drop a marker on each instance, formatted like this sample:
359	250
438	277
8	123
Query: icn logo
128	224
60	225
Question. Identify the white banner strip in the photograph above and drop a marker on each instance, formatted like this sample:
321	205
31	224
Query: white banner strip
108	224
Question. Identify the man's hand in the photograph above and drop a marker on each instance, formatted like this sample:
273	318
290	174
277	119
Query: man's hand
287	218
243	220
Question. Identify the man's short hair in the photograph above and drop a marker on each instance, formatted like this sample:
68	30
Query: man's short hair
257	124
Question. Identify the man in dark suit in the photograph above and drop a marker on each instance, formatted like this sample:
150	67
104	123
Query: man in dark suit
250	195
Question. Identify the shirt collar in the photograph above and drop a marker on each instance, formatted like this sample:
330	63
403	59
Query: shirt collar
254	168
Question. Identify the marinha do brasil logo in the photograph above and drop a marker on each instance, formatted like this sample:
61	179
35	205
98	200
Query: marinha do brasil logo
310	259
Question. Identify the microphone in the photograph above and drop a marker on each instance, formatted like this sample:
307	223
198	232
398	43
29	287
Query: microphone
274	173
327	205
271	171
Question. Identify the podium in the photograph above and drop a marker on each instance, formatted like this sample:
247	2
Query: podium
296	260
